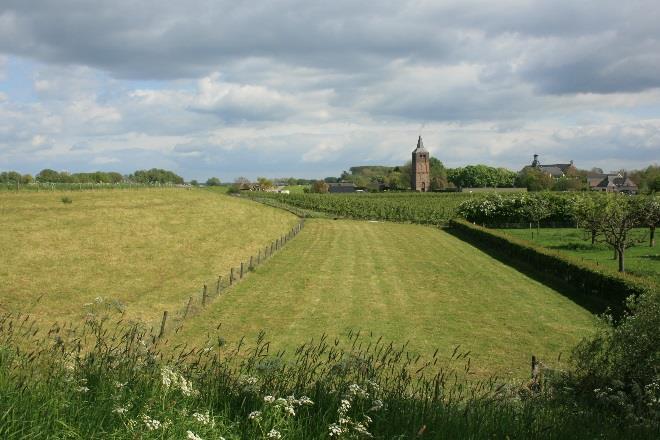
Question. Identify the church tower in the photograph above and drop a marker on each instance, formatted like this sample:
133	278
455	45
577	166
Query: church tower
420	177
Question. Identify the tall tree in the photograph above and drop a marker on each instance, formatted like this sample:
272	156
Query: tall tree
621	214
650	215
589	212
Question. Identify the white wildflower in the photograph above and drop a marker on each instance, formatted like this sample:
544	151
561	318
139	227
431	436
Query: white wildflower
304	400
281	401
120	410
204	419
360	428
269	399
255	415
274	434
82	389
152	424
355	390
335	430
120	385
289	410
344	407
248	380
193	436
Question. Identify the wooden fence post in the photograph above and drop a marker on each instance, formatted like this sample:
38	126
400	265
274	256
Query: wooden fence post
217	286
162	325
204	296
187	307
251	266
241	270
259	258
231	276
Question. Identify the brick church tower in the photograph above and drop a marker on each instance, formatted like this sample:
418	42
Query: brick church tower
420	177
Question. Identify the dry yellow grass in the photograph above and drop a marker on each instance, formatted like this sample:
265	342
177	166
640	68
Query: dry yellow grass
150	249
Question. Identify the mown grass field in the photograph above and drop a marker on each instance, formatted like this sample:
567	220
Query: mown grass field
641	259
405	283
149	249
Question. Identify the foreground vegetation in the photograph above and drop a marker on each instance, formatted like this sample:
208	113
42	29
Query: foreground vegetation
404	282
641	259
128	384
141	251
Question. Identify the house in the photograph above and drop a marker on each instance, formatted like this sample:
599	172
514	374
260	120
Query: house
556	170
614	182
341	187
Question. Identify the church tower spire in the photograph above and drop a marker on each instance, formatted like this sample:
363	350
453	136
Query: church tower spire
420	170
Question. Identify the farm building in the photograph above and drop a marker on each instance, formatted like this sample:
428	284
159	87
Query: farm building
341	187
612	183
556	170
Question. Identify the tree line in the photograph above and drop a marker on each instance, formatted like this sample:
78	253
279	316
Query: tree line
608	218
152	176
482	176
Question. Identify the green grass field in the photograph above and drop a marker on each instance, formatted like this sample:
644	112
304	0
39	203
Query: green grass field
641	259
405	283
149	249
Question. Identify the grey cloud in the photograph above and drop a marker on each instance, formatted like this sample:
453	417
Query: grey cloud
155	39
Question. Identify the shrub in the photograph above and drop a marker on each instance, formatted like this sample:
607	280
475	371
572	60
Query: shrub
66	200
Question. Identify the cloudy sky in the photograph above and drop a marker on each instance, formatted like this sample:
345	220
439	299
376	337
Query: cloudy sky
309	88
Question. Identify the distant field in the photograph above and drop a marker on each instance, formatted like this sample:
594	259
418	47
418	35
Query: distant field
428	208
640	260
148	249
404	282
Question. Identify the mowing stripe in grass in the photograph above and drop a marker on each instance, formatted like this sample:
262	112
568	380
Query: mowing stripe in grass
405	282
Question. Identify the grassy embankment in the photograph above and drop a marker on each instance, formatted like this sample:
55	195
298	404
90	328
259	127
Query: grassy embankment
405	283
147	249
641	259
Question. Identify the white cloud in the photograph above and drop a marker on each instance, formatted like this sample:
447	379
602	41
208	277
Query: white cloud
311	88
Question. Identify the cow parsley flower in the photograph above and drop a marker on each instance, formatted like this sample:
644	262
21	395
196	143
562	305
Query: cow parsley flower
255	415
204	419
193	436
304	400
269	399
152	424
274	434
344	407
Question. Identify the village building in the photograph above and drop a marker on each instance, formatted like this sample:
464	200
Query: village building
341	187
556	170
614	182
420	170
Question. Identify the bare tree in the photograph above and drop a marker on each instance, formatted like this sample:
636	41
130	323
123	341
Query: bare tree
242	183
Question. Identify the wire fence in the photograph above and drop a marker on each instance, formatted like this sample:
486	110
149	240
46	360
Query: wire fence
210	291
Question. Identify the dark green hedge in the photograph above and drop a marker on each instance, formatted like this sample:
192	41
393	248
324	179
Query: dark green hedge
584	276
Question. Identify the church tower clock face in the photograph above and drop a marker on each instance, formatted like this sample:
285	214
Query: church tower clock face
420	172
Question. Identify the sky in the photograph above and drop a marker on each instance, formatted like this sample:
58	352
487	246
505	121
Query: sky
309	88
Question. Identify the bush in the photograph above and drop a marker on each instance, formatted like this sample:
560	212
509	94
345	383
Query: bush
66	200
619	367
